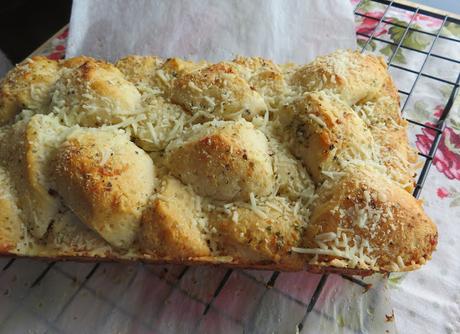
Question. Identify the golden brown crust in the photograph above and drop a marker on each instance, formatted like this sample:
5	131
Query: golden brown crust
27	160
397	155
106	180
10	225
76	62
28	86
265	77
170	224
137	69
352	75
256	165
165	76
383	118
224	162
203	261
363	210
92	93
325	133
10	220
255	239
219	90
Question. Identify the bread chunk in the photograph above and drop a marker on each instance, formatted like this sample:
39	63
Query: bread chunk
28	86
27	152
217	91
93	94
154	75
389	129
172	223
368	221
352	75
106	180
68	236
265	77
249	237
138	69
224	161
326	134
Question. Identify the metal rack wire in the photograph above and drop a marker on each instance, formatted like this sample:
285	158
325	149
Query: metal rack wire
438	128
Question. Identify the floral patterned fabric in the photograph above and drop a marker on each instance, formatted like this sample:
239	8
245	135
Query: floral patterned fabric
426	301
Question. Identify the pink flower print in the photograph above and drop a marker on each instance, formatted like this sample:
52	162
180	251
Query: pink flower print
447	158
368	25
427	21
442	192
64	34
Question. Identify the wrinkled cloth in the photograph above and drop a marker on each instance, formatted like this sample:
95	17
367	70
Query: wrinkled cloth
213	30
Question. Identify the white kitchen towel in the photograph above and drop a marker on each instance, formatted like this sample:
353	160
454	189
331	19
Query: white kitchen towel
213	30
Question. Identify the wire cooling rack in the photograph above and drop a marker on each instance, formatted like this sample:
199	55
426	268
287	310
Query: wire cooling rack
77	279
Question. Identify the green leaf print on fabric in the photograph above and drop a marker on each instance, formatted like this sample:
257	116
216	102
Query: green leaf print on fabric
370	47
413	39
454	124
451	29
367	6
445	91
389	50
420	111
455	202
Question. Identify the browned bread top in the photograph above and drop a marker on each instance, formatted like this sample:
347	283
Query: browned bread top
242	162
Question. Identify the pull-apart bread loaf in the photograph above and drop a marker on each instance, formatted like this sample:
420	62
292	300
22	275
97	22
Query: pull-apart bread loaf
241	163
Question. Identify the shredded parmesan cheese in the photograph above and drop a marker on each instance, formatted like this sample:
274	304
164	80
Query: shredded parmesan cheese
255	208
235	217
127	122
318	120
